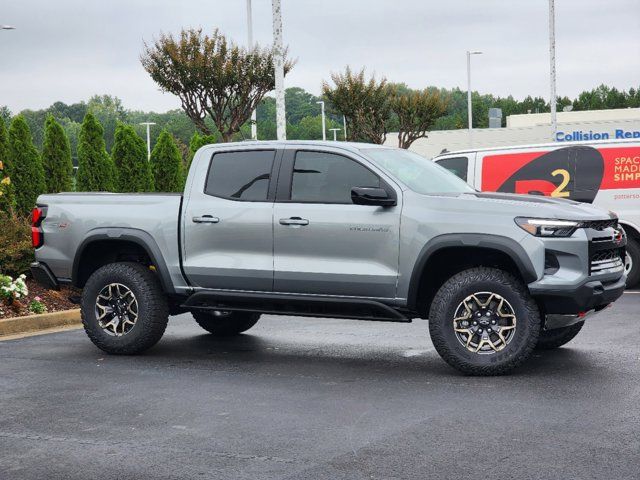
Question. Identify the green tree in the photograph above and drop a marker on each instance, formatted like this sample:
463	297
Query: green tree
198	141
129	155
56	158
7	194
364	103
416	112
166	163
25	166
212	77
96	172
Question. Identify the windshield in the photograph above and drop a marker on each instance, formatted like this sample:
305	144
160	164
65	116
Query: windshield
416	172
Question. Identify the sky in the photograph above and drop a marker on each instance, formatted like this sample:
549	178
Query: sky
68	50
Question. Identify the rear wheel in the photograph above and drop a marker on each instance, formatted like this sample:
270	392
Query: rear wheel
483	321
224	323
124	310
550	339
632	264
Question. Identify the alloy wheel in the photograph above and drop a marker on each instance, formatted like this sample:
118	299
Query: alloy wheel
484	323
116	309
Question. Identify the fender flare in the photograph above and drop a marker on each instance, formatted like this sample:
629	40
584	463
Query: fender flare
506	245
139	237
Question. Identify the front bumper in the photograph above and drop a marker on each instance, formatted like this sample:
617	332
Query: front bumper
573	300
43	275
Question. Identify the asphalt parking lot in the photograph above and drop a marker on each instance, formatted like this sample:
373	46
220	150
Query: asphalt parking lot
302	398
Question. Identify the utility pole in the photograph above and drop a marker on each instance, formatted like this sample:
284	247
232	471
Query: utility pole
148	124
251	46
552	67
324	128
278	51
469	109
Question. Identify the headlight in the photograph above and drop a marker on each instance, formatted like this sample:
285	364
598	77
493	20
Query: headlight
545	227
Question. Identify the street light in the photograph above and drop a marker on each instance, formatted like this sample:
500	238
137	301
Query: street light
552	65
334	130
7	27
254	125
344	124
148	124
469	111
324	132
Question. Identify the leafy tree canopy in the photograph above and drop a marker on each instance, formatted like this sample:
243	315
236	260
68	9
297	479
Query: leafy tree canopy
212	77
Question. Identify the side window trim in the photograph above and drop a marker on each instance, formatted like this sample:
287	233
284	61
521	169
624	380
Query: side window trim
285	177
271	188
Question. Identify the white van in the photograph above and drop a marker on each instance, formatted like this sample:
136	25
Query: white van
605	173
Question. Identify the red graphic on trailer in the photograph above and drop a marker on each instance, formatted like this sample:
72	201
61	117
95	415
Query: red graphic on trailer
575	172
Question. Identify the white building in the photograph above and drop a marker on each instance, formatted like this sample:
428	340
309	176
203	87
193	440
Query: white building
534	128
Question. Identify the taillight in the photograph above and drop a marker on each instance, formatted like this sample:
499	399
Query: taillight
37	236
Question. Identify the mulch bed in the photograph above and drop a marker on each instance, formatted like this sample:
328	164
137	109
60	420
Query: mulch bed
54	300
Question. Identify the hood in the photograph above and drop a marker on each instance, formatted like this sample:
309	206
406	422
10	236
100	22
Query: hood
537	206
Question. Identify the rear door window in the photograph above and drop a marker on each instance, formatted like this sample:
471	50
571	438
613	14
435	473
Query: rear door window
240	175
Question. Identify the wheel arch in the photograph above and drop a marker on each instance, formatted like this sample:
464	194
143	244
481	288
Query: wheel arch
450	253
91	253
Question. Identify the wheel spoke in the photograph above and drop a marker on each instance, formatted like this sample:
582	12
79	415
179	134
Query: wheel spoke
117	304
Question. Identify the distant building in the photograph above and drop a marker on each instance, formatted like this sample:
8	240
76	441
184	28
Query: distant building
535	128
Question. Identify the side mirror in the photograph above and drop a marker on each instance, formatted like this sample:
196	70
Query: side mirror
372	196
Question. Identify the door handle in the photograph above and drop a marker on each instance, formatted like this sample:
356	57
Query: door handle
205	219
294	221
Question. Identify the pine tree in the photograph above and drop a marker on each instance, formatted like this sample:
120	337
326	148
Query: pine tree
129	155
166	164
25	166
7	194
56	158
96	172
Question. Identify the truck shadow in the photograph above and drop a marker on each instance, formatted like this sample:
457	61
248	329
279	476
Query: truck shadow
251	352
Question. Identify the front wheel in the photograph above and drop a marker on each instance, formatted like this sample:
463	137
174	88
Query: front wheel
550	339
483	321
224	323
632	262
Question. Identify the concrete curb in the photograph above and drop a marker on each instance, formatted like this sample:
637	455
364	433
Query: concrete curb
45	321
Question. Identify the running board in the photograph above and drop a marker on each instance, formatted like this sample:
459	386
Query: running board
299	305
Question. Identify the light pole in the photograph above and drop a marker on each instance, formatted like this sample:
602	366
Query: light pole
344	124
7	27
324	130
335	130
552	67
148	124
254	125
278	54
469	110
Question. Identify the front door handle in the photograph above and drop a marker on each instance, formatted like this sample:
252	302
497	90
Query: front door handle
294	221
205	219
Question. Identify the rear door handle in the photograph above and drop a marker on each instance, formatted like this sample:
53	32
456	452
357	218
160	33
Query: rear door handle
294	221
205	219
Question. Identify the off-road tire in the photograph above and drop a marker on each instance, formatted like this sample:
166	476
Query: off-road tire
231	324
153	312
550	339
459	287
633	249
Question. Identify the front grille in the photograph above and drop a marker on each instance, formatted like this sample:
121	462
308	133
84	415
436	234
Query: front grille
600	224
607	261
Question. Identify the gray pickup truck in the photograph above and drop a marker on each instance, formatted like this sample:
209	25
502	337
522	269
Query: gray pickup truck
330	229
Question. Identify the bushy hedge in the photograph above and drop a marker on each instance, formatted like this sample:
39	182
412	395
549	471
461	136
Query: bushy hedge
129	154
96	172
16	252
56	158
